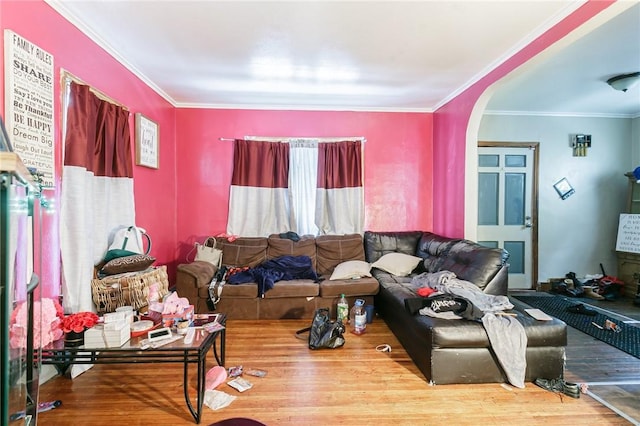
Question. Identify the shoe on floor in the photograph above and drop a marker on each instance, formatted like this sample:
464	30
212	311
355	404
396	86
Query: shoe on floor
581	309
559	386
571	389
552	385
590	292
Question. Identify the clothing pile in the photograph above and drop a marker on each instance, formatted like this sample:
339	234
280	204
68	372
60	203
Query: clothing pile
280	268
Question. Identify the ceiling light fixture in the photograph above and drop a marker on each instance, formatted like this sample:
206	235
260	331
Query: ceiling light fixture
624	82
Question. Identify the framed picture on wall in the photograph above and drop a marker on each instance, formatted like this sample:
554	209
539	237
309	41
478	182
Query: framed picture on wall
147	142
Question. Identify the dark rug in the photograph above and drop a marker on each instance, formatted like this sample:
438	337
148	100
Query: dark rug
627	340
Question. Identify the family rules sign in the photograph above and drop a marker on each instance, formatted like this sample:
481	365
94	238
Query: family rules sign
629	233
29	78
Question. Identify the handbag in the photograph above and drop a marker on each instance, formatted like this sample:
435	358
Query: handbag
130	238
208	252
324	333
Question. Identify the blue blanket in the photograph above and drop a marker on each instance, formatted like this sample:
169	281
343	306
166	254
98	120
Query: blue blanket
277	269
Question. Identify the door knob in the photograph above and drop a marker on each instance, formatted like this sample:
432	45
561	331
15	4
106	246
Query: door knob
527	222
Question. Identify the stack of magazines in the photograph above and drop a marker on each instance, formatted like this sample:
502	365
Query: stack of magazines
207	322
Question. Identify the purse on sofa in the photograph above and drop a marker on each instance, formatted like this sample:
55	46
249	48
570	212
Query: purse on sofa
208	252
323	333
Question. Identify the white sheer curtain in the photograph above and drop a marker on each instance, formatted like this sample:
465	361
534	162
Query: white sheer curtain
303	180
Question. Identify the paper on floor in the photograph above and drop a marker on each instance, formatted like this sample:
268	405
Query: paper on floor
217	399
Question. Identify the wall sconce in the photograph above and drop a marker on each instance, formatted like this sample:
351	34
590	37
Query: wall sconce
624	82
580	143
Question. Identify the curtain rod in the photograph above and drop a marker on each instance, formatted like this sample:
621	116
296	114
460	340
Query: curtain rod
289	138
66	75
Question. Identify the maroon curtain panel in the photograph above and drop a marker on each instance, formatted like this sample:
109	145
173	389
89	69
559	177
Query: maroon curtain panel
98	136
340	165
260	164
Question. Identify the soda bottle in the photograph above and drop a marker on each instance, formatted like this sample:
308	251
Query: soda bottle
342	309
358	319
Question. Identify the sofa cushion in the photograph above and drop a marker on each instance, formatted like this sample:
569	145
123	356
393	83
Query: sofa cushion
335	249
470	261
306	246
244	251
293	288
432	248
400	264
232	291
366	286
351	269
378	244
238	291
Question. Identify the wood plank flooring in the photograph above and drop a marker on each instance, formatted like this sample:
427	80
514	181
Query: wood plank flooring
346	386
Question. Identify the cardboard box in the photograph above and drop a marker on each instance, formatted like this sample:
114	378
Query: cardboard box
111	335
549	284
544	286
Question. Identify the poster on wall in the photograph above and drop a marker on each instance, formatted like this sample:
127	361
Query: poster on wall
28	114
628	233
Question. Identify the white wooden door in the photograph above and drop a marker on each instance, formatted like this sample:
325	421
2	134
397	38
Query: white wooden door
505	185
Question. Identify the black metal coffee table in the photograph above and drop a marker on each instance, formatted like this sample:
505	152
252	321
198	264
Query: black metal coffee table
131	353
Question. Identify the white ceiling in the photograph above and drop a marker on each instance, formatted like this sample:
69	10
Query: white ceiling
360	55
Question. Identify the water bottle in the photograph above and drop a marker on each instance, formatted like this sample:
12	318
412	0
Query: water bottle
342	309
358	319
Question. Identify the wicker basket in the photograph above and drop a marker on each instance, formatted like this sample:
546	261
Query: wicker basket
130	289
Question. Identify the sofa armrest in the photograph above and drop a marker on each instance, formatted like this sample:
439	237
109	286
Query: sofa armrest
192	276
499	284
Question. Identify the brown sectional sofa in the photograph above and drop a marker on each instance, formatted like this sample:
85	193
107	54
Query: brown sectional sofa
445	351
288	299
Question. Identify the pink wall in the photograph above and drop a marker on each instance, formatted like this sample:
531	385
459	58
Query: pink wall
398	163
450	125
73	51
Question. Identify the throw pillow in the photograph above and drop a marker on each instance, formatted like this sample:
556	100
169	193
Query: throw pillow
351	269
116	253
134	263
398	264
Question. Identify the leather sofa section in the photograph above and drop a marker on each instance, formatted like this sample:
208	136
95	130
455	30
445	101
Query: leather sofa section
473	262
458	351
433	249
470	334
469	260
377	244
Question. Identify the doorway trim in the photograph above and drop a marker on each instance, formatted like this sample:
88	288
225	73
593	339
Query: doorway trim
535	146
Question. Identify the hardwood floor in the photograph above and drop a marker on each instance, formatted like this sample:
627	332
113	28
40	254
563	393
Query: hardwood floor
351	385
